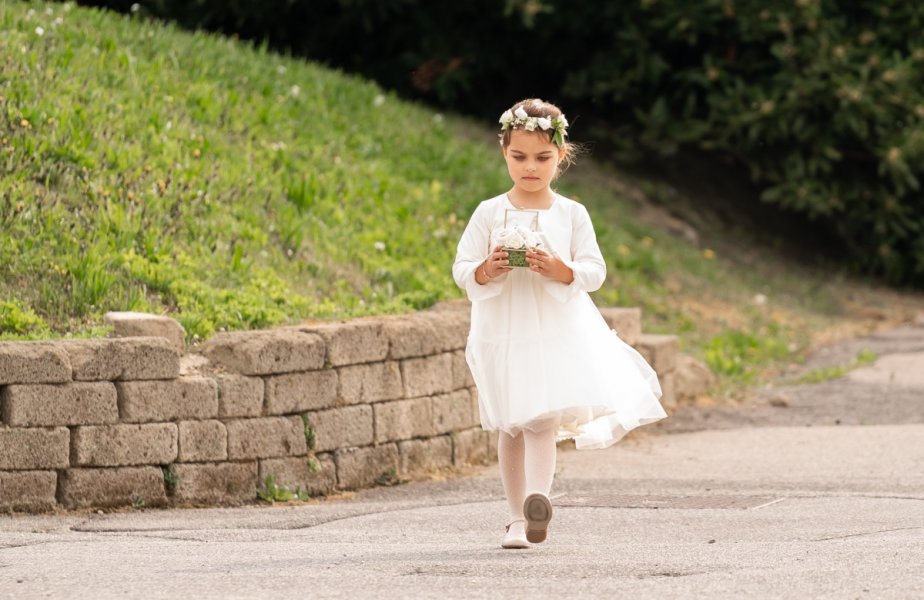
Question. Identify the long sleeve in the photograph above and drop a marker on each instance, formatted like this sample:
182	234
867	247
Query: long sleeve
473	248
586	262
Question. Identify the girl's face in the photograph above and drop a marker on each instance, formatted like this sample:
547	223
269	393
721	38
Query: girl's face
532	160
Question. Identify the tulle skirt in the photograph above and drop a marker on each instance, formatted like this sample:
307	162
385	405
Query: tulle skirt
537	360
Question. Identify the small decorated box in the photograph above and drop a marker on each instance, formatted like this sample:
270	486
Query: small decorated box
516	257
518	236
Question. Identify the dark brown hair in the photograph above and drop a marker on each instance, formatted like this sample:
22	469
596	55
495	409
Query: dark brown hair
535	107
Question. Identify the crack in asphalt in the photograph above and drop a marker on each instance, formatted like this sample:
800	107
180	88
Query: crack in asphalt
863	533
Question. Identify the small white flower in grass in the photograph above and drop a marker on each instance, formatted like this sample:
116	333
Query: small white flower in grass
281	69
760	299
39	31
380	246
378	100
31	13
545	123
295	90
58	21
49	11
135	7
520	113
68	6
437	118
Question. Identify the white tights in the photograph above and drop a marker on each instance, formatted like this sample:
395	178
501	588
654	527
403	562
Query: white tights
527	465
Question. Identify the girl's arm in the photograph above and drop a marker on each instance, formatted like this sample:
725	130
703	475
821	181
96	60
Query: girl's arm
474	248
586	262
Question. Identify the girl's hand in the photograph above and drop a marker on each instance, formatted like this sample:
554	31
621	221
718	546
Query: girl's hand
549	266
496	263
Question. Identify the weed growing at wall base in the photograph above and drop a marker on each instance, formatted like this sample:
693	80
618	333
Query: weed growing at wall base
272	492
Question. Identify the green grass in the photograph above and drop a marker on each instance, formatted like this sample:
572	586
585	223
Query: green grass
864	357
147	168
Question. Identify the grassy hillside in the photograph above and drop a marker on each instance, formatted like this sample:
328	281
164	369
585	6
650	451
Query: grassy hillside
145	168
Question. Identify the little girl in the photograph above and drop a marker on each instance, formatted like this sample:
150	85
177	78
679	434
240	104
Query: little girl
546	365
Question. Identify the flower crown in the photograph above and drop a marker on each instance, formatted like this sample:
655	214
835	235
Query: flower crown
519	117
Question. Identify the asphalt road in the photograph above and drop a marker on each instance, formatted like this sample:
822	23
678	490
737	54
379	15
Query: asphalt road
809	491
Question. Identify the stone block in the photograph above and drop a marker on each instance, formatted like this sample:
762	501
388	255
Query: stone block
267	352
30	405
239	395
202	441
135	486
371	382
422	456
29	491
135	324
453	412
341	427
626	321
668	391
461	374
476	405
34	448
297	392
123	359
313	475
194	397
214	483
491	438
362	467
691	378
470	447
659	350
352	342
427	376
195	364
409	336
124	445
451	326
266	437
403	419
33	362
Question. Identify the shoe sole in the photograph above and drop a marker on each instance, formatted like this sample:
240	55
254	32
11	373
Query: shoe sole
538	512
514	545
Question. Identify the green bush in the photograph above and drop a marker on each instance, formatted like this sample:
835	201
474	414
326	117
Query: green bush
822	103
15	319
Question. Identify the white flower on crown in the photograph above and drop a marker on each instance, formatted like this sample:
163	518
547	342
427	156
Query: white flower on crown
520	118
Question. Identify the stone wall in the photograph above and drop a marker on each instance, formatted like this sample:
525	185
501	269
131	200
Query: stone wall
320	407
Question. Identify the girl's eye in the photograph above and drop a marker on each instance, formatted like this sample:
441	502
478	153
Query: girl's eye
519	158
543	158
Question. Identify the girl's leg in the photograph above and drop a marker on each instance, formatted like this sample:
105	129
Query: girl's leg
510	457
540	455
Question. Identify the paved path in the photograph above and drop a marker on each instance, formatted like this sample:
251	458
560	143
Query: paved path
822	497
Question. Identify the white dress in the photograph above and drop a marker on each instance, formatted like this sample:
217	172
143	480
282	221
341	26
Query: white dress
539	349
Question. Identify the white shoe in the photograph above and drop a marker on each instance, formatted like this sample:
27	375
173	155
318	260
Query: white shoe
515	538
538	511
